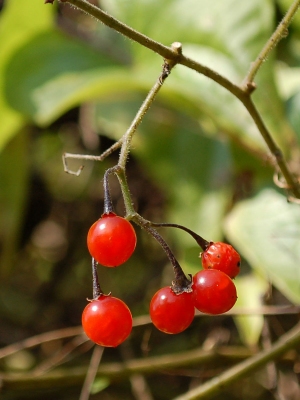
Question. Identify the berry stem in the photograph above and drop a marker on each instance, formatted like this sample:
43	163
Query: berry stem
204	244
97	291
181	283
108	205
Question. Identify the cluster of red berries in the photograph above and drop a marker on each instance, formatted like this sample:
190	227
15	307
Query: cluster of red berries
108	321
212	291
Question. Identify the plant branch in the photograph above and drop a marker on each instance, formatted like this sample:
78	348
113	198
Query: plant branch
127	137
280	32
166	52
216	385
173	55
91	373
292	184
102	156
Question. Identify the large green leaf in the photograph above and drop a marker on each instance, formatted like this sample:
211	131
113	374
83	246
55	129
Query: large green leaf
266	230
20	20
53	73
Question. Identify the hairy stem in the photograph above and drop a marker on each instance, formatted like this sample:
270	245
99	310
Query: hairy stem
127	138
280	32
274	149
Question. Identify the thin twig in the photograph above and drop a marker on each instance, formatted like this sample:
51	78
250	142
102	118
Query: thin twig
63	355
102	156
274	149
91	373
280	32
127	138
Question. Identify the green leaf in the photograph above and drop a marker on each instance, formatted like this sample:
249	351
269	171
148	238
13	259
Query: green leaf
99	384
250	290
53	73
266	230
20	20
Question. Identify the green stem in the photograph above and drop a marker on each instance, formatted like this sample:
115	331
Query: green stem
280	32
130	211
274	149
127	138
216	385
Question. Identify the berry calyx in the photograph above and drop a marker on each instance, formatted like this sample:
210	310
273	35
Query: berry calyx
222	256
107	321
111	240
172	313
213	291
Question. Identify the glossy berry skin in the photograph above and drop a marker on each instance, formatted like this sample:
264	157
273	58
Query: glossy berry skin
213	291
107	321
172	313
111	240
222	256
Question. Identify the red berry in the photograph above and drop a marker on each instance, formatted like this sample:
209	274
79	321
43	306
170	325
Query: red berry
170	312
222	256
213	291
111	240
107	321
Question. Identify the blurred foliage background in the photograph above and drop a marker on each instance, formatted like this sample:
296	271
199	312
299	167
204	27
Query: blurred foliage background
70	84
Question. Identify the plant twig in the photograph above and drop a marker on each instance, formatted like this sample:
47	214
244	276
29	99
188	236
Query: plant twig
91	373
280	32
127	138
274	149
172	54
216	385
166	52
102	156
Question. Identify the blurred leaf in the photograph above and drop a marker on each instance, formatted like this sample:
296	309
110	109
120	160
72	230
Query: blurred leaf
288	80
250	290
53	73
266	230
20	20
14	176
99	384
